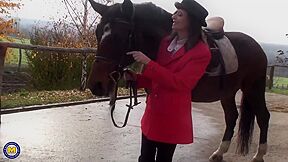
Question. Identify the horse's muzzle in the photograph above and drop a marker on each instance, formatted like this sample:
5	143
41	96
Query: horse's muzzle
99	90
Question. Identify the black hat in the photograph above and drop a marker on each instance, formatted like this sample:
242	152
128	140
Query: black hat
195	9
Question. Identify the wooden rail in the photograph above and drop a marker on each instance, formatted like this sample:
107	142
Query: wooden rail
83	51
47	48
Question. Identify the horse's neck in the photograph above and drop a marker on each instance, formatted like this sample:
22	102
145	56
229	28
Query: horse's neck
153	19
148	41
152	29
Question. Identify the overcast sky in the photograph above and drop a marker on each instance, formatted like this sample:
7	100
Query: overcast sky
265	20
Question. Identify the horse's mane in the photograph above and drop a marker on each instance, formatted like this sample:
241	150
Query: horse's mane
151	24
156	15
144	12
148	10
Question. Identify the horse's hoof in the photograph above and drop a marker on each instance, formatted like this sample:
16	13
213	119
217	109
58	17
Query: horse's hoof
257	160
215	158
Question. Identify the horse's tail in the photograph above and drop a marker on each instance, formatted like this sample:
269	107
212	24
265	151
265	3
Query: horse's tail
246	125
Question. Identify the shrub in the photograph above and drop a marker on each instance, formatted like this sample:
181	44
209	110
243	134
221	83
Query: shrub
51	70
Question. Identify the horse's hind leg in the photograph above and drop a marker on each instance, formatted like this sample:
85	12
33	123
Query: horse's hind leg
231	115
262	116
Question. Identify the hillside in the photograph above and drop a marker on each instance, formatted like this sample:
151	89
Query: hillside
25	26
271	51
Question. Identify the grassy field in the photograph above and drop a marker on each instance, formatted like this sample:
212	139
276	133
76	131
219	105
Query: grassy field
280	86
280	80
12	57
280	83
278	91
29	98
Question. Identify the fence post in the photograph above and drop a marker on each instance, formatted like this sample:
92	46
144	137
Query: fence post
84	72
20	60
2	59
271	75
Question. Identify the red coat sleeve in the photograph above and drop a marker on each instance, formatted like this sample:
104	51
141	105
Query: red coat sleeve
143	82
183	80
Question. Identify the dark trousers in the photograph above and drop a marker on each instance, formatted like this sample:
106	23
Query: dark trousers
149	149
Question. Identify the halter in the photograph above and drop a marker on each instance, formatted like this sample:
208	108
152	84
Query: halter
116	75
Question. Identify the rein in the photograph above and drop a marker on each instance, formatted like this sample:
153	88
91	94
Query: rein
113	98
115	76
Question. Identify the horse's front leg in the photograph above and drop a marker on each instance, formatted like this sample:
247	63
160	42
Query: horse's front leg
231	115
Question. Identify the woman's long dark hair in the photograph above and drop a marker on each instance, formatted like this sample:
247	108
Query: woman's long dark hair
194	36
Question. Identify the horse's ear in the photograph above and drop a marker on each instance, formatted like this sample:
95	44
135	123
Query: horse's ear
99	8
127	8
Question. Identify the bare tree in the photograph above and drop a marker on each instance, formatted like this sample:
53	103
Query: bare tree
83	18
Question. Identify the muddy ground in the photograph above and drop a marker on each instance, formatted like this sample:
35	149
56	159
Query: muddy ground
276	102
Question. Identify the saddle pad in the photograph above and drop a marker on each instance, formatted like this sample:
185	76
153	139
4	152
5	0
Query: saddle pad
229	55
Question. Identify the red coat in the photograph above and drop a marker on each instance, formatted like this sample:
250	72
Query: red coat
170	79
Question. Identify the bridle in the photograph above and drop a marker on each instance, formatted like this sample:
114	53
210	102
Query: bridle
115	76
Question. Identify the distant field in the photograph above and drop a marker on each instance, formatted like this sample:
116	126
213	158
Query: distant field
280	81
13	56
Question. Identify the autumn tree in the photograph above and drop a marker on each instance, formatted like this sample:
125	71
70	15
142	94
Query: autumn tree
6	22
84	19
75	30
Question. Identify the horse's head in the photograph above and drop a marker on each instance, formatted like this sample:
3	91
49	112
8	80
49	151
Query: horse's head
120	30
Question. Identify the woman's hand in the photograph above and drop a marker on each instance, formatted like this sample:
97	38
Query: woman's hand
139	57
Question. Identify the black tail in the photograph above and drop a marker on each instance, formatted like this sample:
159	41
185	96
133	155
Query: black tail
246	125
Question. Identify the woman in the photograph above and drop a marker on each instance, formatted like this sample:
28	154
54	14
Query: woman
181	61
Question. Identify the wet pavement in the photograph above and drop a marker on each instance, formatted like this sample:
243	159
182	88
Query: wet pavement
85	133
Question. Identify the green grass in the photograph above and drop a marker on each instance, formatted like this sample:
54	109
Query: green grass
13	56
280	81
278	91
29	98
26	98
280	86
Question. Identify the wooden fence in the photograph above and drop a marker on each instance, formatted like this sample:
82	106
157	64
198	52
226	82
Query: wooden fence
271	76
83	51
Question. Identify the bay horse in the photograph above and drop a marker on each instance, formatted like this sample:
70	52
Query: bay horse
126	26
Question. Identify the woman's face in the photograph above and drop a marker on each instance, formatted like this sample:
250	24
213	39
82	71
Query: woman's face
180	21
